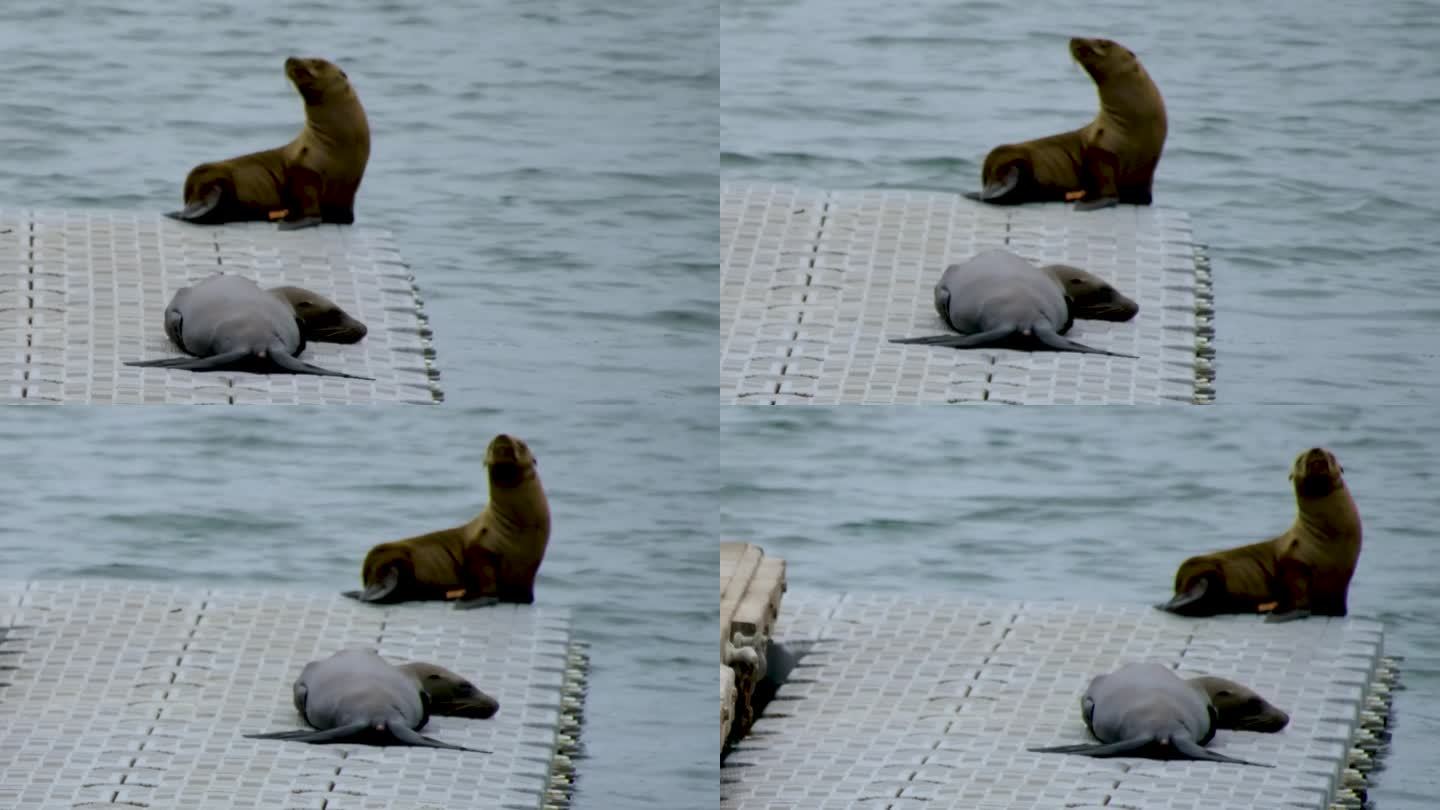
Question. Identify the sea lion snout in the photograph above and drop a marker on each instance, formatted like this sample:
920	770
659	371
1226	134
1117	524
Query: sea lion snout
505	449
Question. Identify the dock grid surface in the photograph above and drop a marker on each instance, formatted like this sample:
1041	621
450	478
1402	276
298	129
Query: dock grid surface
918	702
83	291
815	283
136	695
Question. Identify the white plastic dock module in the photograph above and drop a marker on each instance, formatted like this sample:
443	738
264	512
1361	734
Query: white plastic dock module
82	292
814	284
136	695
920	702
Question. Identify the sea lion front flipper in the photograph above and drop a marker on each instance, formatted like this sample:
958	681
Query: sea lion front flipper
1287	616
297	224
1055	341
337	734
476	602
302	188
295	365
1096	205
409	736
960	341
1114	749
197	209
1190	749
214	362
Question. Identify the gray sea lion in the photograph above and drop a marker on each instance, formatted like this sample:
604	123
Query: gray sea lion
1091	297
451	695
1239	708
320	319
998	298
1110	160
1304	571
494	558
228	322
357	696
1146	710
312	179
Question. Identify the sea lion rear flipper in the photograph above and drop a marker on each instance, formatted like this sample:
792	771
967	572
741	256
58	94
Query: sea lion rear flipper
379	591
998	190
1189	748
1190	602
1056	341
295	365
960	341
215	362
1114	749
337	734
197	209
409	736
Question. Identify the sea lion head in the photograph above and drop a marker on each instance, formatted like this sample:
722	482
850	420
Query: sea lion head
318	317
451	694
509	460
1239	708
315	78
1317	473
1101	58
1090	296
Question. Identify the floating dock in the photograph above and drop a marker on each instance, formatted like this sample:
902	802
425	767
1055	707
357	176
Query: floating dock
137	695
751	587
814	284
82	292
916	702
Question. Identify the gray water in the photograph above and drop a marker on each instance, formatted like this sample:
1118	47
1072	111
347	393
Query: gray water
1301	142
1041	504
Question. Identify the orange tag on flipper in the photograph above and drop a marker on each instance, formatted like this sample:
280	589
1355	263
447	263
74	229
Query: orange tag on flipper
1267	607
455	594
1072	196
281	214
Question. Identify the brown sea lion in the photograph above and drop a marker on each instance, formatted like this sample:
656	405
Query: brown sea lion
312	179
1239	708
450	694
493	558
1091	297
1110	160
320	319
1304	571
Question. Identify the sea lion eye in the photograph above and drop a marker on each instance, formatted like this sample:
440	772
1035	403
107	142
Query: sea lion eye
1223	693
432	677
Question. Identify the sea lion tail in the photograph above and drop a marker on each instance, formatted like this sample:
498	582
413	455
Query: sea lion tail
1191	749
295	365
410	736
337	734
215	362
1114	749
962	341
1060	343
